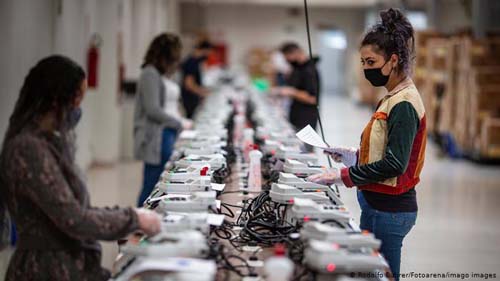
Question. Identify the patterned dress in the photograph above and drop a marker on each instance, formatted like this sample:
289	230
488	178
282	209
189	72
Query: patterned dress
57	228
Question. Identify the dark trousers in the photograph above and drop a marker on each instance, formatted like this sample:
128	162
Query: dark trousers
190	103
390	228
152	172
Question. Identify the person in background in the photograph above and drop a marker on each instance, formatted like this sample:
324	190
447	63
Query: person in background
44	190
172	101
281	68
155	130
193	91
386	168
303	88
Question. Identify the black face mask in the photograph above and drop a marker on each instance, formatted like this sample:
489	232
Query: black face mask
376	77
293	63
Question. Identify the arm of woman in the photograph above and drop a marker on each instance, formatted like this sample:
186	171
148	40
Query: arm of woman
150	88
191	85
304	97
402	125
39	178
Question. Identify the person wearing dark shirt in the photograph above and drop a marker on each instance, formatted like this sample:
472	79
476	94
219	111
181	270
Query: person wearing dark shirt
303	87
387	166
192	90
43	189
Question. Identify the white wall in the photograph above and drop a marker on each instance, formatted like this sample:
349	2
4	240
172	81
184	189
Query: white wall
106	109
70	39
173	16
24	42
34	29
144	19
247	26
148	18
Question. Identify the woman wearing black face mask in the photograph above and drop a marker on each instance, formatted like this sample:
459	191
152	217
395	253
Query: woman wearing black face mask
42	187
387	165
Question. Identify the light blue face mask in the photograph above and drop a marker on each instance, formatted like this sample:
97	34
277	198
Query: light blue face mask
74	117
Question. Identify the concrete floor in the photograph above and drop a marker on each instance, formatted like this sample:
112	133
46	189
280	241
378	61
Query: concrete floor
458	226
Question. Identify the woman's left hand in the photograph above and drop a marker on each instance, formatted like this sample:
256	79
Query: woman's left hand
346	155
330	176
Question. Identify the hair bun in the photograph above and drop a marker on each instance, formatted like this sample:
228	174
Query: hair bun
394	34
395	22
391	18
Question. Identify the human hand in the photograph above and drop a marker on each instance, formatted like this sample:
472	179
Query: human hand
274	91
330	176
204	92
346	155
187	124
149	221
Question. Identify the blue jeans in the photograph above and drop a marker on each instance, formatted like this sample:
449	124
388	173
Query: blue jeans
390	228
152	172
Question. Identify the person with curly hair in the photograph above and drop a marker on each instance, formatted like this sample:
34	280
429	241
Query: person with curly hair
387	165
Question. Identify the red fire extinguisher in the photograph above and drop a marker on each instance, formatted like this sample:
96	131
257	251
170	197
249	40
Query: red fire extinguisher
93	61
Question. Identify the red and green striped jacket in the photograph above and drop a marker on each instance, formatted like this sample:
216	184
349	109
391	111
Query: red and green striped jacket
392	150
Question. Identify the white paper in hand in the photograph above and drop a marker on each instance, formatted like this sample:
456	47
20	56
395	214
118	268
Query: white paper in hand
309	136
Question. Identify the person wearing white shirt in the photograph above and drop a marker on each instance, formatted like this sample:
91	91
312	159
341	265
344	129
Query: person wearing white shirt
172	102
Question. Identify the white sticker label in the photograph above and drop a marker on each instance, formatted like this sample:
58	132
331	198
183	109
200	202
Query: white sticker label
257	263
173	218
218	186
215	219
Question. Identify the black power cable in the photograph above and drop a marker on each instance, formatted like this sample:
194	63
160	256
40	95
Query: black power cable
306	10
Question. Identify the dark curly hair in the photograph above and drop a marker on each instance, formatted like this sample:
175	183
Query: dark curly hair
393	35
164	47
51	85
